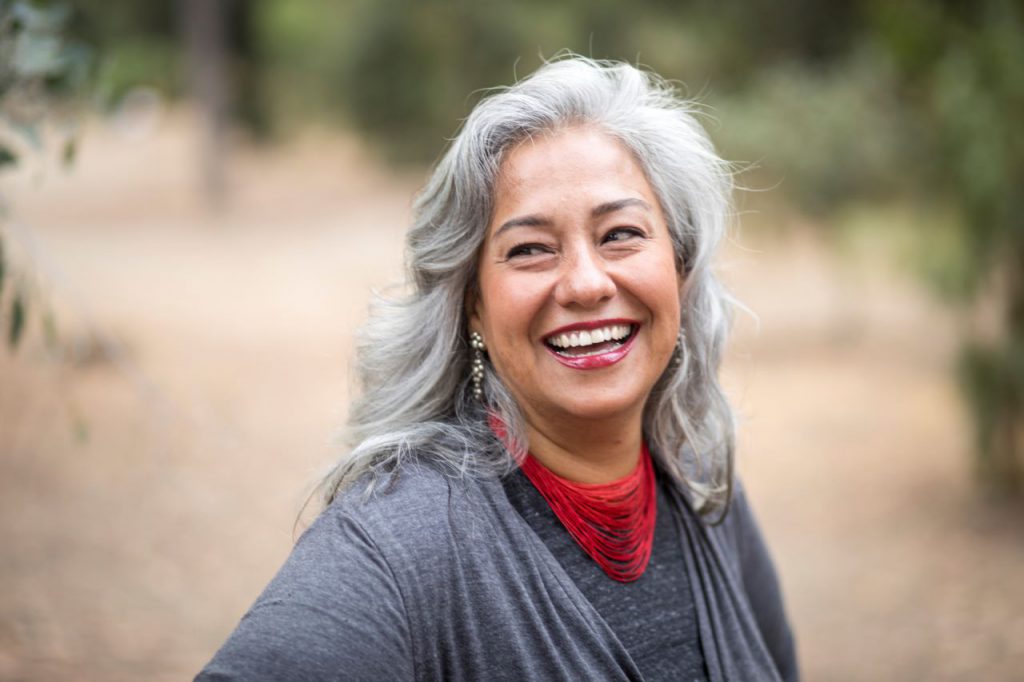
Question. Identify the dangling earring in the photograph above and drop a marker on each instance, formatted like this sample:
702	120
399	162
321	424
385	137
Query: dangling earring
476	371
677	352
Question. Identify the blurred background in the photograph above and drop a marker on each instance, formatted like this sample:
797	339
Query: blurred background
199	196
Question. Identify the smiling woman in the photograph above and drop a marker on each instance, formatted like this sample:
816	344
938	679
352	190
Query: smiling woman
578	244
540	480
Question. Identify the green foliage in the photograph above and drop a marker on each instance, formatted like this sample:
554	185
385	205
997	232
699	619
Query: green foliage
941	263
415	62
962	78
68	151
50	336
139	61
992	376
835	104
138	41
43	76
400	70
306	47
823	135
960	72
16	323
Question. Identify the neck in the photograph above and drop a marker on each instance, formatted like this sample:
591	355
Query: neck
586	451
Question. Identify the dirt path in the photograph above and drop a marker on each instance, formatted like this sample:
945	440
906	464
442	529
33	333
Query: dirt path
149	480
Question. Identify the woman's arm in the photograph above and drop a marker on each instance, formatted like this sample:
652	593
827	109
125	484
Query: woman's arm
333	612
762	586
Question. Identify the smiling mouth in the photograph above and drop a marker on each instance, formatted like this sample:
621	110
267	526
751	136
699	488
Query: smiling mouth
586	342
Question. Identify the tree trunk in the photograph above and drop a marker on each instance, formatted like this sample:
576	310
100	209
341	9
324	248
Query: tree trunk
205	32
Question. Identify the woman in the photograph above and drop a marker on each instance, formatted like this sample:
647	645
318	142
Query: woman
540	485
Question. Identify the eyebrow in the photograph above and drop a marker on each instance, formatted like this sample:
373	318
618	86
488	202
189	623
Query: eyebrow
598	211
613	206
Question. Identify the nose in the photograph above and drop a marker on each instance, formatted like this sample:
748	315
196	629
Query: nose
584	280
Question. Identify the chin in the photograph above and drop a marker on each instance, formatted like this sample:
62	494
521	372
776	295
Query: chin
601	408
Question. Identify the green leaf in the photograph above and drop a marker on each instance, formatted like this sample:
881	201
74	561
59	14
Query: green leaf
41	19
37	55
50	331
79	425
69	152
7	157
80	430
17	320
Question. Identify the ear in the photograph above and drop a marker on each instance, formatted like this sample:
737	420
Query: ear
473	307
682	285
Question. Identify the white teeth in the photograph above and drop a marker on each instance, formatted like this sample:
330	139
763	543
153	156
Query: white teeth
615	332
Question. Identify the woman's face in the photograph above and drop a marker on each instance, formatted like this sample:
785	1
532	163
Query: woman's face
578	297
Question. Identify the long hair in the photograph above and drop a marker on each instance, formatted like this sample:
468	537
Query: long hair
413	355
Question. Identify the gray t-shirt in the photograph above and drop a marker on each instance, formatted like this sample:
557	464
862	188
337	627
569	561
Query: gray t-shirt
653	616
434	577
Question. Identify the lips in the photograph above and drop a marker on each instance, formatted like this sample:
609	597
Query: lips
594	344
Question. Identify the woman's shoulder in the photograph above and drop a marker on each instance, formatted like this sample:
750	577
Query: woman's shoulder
408	513
381	556
342	601
731	525
416	492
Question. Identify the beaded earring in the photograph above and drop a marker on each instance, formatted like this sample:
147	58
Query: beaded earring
476	371
677	352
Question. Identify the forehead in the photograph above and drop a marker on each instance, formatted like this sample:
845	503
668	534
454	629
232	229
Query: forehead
580	163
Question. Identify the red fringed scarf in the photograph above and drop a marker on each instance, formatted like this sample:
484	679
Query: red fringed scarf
612	522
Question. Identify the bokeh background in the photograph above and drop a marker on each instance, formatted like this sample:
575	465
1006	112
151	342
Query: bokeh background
198	198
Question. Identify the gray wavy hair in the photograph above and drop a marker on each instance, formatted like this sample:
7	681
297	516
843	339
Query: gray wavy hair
413	357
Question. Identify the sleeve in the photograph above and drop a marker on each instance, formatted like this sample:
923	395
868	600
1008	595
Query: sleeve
762	587
334	611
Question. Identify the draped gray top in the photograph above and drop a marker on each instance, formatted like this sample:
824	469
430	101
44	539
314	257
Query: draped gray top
434	577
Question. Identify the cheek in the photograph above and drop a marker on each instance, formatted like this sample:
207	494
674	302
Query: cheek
660	289
669	281
508	314
510	350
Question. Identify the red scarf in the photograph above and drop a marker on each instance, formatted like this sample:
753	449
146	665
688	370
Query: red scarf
612	522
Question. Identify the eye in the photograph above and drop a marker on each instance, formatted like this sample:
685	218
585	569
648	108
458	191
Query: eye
526	250
621	234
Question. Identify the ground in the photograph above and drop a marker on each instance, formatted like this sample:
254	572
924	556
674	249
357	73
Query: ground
152	472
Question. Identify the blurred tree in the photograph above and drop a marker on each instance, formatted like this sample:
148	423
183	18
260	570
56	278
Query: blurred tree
204	24
401	69
824	135
840	103
961	71
138	41
43	77
413	64
203	48
145	44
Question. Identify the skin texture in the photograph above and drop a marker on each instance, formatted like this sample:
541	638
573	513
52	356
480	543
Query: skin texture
577	235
